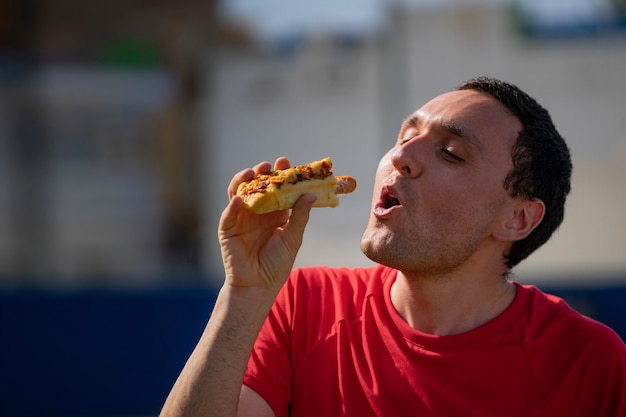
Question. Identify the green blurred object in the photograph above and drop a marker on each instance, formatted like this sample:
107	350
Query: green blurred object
619	5
131	54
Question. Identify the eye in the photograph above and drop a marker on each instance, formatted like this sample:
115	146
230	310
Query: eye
451	156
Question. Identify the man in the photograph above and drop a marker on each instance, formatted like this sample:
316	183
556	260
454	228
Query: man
475	183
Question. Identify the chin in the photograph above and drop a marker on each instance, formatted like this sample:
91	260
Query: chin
376	245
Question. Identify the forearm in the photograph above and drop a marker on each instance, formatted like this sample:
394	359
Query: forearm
211	380
258	252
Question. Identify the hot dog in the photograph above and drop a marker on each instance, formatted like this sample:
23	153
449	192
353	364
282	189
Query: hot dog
280	189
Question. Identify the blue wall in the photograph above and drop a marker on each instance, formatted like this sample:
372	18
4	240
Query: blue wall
115	353
95	352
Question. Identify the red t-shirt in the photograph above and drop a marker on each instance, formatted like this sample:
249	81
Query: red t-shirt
333	345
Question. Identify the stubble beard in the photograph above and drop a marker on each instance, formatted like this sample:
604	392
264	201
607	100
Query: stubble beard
418	253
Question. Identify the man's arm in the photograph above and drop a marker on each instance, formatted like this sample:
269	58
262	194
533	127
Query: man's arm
252	404
258	253
211	381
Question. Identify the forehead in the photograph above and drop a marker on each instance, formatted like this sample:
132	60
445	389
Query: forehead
476	113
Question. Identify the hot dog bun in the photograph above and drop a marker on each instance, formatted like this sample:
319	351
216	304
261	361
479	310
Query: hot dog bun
280	189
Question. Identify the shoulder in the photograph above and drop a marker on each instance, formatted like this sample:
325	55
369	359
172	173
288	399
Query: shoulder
578	361
550	328
545	310
549	314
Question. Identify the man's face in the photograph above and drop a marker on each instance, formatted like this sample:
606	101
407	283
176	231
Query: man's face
438	193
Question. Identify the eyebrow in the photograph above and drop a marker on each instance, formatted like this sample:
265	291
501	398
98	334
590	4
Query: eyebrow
449	126
411	121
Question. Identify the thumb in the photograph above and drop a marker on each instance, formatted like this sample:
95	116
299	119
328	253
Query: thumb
300	217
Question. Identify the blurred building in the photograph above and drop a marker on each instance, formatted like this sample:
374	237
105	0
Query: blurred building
319	95
305	99
121	124
98	157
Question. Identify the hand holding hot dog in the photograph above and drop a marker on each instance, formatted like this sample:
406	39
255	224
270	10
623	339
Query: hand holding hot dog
259	250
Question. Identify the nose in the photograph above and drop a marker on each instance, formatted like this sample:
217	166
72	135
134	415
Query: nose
406	157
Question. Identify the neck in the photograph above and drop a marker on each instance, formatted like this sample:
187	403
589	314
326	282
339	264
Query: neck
447	306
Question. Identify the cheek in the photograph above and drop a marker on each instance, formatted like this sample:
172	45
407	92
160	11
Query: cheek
475	212
384	165
456	208
469	191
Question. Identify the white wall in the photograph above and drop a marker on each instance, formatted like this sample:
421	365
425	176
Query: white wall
306	107
320	102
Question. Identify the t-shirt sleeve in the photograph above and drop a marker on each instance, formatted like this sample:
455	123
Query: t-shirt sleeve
269	371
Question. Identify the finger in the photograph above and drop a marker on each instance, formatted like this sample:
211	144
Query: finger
300	217
262	168
230	214
246	175
282	163
243	175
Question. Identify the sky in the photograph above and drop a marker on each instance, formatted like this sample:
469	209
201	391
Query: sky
272	19
275	18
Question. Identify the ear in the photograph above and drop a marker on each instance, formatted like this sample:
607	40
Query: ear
522	218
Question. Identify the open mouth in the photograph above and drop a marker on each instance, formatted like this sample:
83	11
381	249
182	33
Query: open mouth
386	203
390	201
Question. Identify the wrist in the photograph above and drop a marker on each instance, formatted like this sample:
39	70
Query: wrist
250	305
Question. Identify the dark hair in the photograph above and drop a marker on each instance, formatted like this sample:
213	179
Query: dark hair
542	165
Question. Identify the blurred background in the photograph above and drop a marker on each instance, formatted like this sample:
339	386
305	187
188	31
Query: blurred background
122	122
